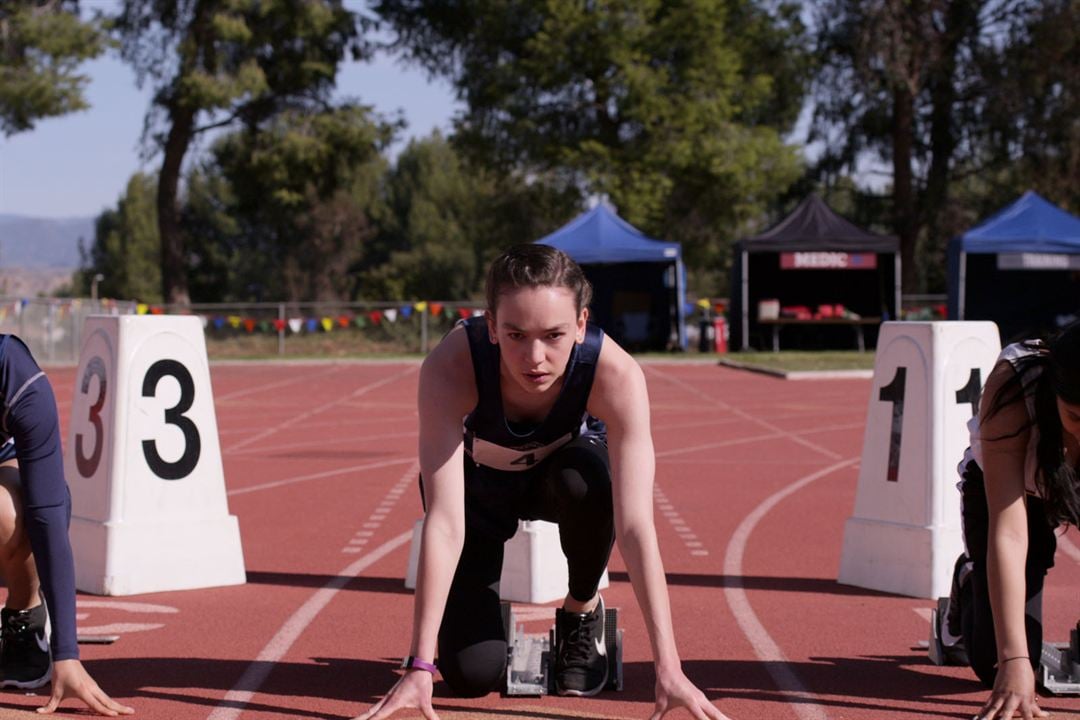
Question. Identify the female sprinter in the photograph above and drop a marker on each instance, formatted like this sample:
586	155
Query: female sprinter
533	382
35	554
1019	484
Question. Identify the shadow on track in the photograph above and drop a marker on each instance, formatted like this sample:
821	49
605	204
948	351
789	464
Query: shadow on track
388	585
825	586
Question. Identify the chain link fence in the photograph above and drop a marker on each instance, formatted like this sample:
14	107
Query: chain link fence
52	327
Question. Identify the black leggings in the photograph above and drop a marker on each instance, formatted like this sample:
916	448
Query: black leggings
571	488
976	616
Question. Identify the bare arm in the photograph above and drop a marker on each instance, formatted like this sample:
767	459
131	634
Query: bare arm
447	393
443	401
1004	439
620	398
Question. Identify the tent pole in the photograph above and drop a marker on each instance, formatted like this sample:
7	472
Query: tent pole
898	285
745	302
962	290
680	301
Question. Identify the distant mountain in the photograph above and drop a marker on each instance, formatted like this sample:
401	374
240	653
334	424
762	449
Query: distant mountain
42	243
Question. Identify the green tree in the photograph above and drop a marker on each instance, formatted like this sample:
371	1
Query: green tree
284	210
1029	136
126	246
447	218
969	102
214	63
675	110
42	44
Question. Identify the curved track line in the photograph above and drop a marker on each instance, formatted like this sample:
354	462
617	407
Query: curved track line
764	646
272	386
256	673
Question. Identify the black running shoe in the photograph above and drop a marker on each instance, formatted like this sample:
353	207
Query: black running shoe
581	663
25	661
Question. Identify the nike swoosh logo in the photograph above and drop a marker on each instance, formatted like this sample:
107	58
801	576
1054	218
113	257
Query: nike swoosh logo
601	648
42	642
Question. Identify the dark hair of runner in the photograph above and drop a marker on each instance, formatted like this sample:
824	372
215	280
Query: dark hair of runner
534	265
1058	358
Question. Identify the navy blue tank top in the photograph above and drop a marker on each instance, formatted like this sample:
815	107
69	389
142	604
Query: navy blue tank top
491	441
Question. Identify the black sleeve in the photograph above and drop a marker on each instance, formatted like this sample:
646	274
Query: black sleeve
30	418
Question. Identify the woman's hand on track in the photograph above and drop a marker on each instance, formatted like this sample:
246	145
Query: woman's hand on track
413	690
1013	695
70	680
677	691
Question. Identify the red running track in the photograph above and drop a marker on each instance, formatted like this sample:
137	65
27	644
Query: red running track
755	477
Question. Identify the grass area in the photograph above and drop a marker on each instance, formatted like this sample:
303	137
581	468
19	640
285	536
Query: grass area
794	360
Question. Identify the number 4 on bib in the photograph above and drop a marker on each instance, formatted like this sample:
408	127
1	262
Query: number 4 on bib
143	462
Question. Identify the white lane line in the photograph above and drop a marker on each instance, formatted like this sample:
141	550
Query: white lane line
318	476
323	443
1069	548
322	408
119	628
132	607
303	377
925	613
757	438
743	414
256	673
764	646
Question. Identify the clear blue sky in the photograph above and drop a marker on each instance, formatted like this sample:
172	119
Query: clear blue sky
79	164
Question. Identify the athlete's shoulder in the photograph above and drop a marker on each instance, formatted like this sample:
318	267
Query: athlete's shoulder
16	355
618	379
447	371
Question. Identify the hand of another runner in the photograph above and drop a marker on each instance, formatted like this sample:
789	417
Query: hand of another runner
70	680
413	690
1013	695
677	691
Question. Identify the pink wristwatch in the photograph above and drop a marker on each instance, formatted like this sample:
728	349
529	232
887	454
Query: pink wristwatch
415	663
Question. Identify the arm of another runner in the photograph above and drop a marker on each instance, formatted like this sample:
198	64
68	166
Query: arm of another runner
447	393
1004	438
620	398
32	420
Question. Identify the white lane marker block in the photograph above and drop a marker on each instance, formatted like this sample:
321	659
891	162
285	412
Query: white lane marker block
905	534
143	461
534	567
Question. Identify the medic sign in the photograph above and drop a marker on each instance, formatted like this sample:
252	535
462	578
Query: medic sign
828	261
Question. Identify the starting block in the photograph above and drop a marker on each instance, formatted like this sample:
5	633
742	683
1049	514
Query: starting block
530	657
534	568
1060	673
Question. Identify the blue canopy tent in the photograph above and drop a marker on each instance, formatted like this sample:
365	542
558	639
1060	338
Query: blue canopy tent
1020	268
639	284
